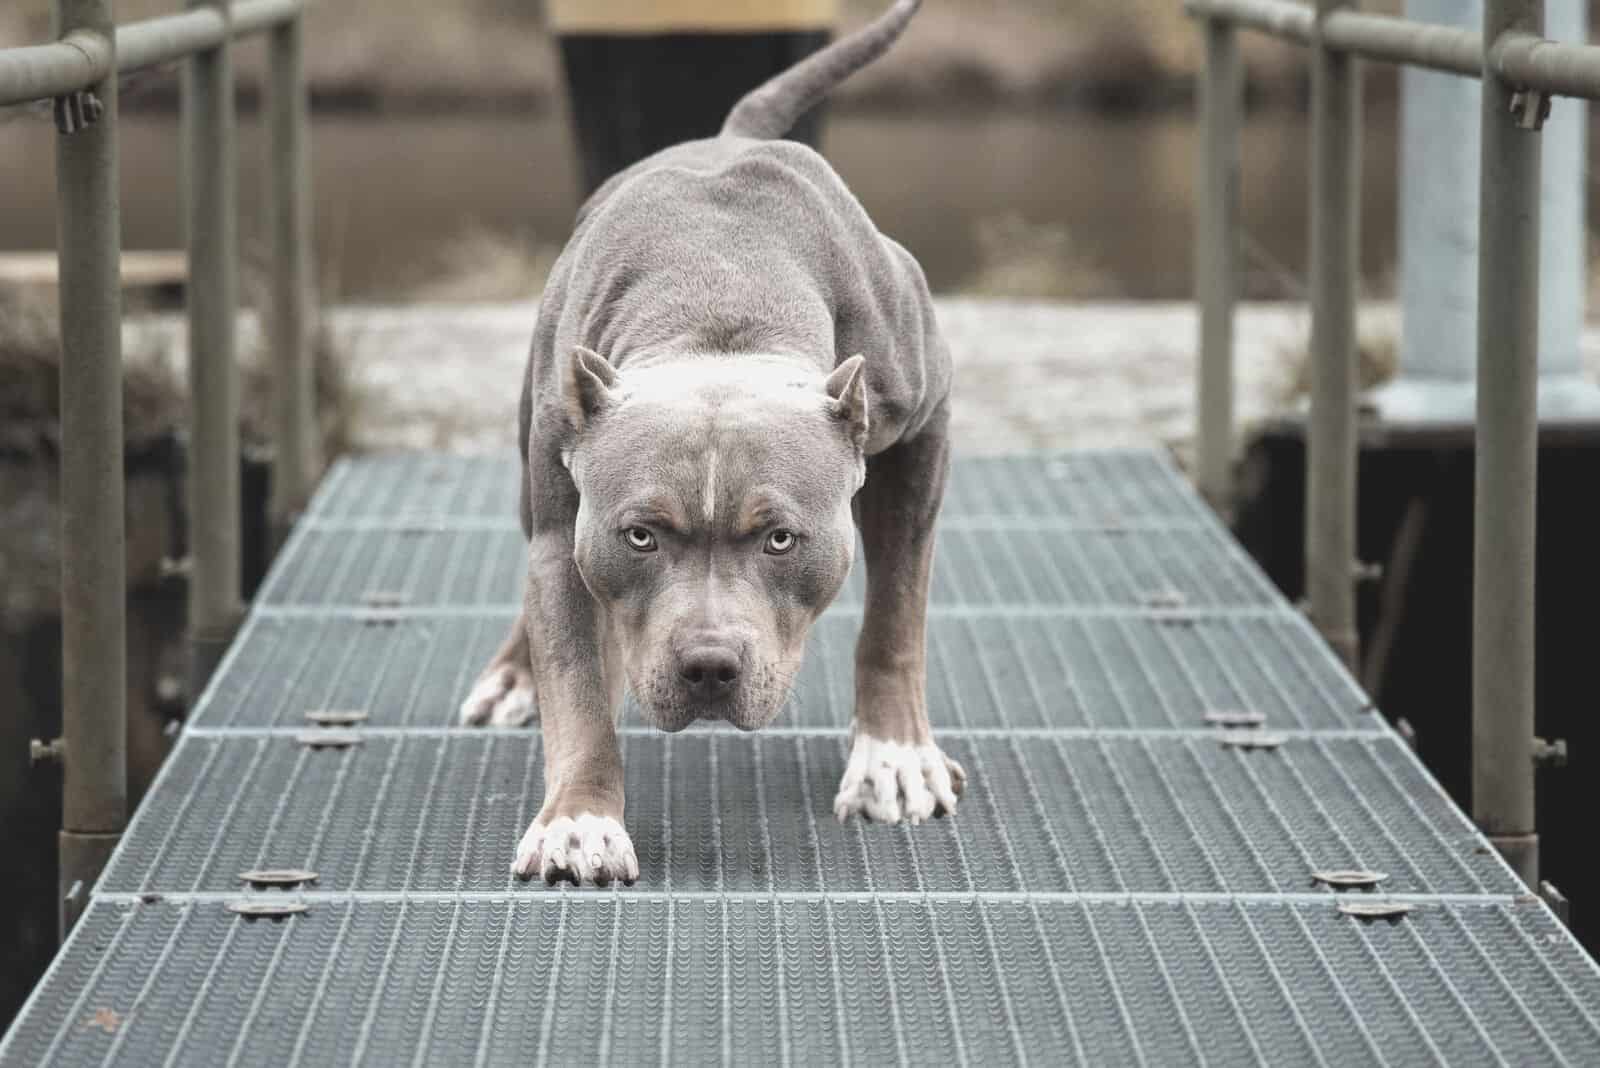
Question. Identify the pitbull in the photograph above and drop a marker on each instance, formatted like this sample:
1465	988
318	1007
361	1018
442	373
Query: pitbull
732	373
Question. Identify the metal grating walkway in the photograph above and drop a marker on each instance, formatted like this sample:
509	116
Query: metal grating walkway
1119	886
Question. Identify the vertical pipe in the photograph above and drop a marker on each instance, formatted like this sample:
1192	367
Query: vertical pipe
1439	156
1331	437
1441	123
208	132
93	577
1507	461
1565	392
1216	259
289	223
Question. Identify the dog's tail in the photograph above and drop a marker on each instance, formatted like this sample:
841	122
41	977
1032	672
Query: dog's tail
772	109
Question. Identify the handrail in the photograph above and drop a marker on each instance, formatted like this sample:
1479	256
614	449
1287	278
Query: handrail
1530	62
1518	67
80	73
253	16
1279	18
153	42
1395	40
82	58
39	72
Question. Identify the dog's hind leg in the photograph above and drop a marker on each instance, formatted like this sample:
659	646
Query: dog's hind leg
895	770
503	694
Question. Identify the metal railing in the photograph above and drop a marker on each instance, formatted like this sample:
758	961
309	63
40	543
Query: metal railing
79	73
1520	72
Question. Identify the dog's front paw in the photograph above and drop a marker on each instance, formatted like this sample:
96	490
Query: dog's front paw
502	697
892	781
592	848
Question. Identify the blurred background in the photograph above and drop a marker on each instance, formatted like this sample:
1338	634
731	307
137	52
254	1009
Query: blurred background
1025	150
1048	142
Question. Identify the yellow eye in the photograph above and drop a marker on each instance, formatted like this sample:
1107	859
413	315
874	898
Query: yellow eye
780	542
639	539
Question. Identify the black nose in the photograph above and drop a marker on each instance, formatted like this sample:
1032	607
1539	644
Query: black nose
709	670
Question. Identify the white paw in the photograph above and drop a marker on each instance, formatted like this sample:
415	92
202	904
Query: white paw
503	697
892	781
590	848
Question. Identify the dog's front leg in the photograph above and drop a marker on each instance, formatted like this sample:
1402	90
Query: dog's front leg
578	833
895	770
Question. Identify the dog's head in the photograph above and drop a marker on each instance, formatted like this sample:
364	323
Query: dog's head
714	521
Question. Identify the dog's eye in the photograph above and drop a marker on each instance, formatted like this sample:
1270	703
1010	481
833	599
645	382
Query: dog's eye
640	539
780	542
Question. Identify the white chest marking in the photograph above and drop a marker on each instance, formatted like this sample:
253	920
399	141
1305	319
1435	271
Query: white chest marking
708	502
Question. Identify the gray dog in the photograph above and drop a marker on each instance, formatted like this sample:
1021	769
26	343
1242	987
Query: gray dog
732	371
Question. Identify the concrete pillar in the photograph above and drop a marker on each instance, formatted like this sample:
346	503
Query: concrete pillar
1439	145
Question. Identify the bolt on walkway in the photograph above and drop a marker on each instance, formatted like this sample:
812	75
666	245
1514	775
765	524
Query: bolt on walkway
1128	881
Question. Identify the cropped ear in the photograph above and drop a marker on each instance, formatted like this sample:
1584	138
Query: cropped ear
847	390
586	386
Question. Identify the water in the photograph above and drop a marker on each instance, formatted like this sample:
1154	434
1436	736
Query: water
390	191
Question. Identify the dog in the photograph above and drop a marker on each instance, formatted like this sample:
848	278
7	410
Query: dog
733	372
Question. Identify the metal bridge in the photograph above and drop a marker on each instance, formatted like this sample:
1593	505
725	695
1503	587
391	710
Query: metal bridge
1188	836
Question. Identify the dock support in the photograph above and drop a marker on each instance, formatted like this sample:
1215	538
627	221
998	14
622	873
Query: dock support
1433	389
1507	453
1216	260
212	224
93	568
289	321
1331	440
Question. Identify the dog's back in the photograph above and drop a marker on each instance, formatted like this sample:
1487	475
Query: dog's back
745	244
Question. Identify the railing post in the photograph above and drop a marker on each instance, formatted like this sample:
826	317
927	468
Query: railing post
289	324
93	575
1507	456
209	188
1331	432
1216	260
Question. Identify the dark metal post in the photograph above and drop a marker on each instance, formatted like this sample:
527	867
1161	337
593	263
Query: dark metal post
1507	452
1331	433
93	575
1216	259
209	188
289	326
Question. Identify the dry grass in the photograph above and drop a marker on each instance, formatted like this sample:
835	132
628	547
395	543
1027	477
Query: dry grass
481	264
155	392
1029	260
1377	356
30	381
1594	274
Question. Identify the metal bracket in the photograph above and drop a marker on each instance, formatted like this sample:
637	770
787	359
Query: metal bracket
1375	910
1366	572
1530	108
1407	732
258	908
1550	754
1252	739
1557	901
336	717
1349	879
286	878
52	752
1228	717
78	110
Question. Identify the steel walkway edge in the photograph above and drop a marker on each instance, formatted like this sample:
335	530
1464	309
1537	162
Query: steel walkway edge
1120	886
